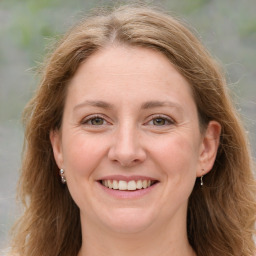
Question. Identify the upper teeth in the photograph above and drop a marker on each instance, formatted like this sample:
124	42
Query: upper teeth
124	185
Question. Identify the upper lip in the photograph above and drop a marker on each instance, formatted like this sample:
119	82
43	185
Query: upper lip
127	178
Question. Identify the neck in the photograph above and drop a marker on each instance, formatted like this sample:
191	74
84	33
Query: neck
165	241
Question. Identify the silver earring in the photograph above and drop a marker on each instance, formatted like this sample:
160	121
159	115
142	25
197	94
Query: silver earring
201	180
62	175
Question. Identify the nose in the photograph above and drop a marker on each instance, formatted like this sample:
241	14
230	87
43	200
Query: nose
126	148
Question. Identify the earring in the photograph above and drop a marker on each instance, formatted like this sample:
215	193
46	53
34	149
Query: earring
201	180
62	175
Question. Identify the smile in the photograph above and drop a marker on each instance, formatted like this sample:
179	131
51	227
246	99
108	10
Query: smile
128	185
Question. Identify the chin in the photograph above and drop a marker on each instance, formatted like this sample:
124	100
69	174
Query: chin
127	220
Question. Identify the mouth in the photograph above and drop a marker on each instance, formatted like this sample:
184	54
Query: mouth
131	185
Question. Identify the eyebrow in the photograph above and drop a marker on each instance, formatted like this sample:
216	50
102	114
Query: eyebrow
94	103
145	105
155	104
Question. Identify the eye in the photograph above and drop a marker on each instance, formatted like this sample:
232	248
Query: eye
160	121
97	121
94	120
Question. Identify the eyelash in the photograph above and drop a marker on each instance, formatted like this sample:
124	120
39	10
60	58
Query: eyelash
167	120
88	119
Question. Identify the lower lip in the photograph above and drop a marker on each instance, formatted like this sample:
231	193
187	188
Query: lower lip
131	194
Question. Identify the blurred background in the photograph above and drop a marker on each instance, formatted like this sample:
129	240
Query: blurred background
227	28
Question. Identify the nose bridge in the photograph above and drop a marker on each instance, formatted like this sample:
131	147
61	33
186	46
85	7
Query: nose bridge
126	148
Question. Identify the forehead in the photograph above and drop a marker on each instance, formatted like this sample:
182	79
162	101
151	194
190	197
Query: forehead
135	72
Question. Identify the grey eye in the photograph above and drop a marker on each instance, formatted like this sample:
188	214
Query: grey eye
159	121
97	121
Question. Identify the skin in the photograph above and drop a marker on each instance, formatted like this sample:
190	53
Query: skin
129	112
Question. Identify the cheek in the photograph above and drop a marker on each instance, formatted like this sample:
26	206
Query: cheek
82	154
178	157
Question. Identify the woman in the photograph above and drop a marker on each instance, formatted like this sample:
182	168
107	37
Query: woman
133	146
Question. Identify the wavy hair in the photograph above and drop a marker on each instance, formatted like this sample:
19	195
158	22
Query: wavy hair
221	215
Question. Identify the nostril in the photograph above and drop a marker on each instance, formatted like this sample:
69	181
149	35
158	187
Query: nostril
126	162
126	151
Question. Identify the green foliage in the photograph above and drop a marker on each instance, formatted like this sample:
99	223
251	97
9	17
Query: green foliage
191	6
186	7
248	28
30	27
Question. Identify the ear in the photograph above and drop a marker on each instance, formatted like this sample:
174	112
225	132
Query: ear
209	147
55	138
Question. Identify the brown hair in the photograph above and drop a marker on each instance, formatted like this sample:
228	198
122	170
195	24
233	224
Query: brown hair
221	216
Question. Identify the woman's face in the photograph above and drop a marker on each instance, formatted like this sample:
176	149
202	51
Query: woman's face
130	142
